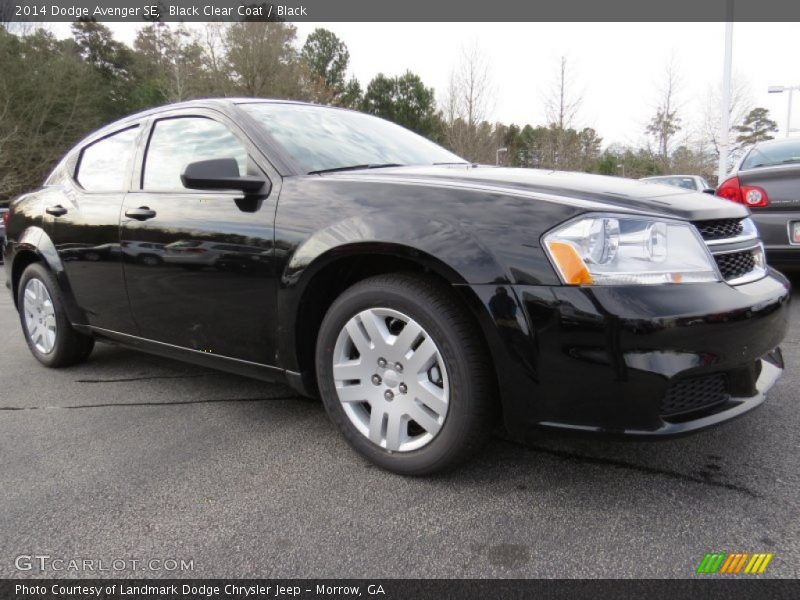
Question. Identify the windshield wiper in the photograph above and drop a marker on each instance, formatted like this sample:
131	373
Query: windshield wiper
355	168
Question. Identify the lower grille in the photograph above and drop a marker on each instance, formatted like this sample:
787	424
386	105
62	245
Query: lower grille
694	394
735	264
720	229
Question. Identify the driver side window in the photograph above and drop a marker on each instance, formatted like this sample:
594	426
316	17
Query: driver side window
176	142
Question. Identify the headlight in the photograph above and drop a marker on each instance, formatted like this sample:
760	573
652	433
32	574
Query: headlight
616	250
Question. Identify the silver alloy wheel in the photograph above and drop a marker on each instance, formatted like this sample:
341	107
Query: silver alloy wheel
391	379
40	316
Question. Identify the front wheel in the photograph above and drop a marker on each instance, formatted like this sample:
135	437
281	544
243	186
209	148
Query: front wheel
50	337
403	373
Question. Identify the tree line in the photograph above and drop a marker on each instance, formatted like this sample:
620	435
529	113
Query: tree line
55	91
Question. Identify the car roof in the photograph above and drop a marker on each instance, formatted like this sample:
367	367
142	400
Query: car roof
790	141
212	103
222	104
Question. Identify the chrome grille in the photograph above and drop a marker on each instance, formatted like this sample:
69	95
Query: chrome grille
736	249
720	229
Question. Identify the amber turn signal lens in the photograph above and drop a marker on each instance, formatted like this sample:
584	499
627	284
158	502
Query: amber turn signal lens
573	269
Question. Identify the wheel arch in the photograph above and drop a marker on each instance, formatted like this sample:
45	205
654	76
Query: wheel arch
23	258
35	246
339	268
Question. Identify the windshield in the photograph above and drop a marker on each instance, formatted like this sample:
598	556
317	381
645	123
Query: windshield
769	155
321	138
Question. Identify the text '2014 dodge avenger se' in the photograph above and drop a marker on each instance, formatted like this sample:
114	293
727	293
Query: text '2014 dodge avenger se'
418	295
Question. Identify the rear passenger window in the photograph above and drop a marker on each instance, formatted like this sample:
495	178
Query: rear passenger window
177	142
104	166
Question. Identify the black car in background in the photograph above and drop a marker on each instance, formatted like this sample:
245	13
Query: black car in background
418	295
767	181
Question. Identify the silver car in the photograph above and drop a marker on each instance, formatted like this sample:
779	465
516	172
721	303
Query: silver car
687	182
767	181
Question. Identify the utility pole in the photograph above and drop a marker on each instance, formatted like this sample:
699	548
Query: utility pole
724	147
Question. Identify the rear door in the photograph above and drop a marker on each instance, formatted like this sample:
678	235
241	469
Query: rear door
82	219
212	288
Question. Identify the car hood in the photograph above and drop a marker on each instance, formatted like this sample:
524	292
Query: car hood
594	192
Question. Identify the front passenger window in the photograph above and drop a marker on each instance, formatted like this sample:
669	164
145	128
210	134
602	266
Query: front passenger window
177	142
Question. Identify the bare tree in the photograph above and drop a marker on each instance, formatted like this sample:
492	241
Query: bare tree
562	104
212	41
666	123
741	103
466	104
561	108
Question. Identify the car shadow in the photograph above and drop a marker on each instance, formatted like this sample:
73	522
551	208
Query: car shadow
704	461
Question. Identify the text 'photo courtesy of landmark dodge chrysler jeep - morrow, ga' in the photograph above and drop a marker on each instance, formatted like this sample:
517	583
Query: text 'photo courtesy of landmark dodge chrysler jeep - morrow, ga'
420	296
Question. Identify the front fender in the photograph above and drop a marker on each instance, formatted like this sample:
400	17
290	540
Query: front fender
447	248
439	246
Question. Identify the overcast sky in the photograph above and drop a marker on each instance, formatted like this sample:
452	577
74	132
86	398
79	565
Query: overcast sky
617	68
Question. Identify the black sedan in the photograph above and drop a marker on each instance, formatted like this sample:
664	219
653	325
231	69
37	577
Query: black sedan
418	295
767	181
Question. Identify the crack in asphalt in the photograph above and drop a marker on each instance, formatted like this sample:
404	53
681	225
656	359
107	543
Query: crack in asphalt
623	464
124	404
146	378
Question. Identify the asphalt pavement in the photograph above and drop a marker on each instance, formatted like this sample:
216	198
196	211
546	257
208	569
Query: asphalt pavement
131	457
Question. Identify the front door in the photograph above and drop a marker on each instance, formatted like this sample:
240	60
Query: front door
198	264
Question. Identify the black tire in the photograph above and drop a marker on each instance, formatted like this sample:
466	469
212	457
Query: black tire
472	407
70	346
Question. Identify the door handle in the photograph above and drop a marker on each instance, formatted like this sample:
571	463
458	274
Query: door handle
56	210
140	214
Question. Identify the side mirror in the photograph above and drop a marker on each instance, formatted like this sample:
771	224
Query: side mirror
221	174
711	191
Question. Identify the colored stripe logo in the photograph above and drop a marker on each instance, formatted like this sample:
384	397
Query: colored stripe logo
735	563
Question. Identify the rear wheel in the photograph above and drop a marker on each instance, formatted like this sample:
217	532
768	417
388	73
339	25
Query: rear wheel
50	337
402	372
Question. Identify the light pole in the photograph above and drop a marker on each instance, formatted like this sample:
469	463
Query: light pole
779	89
497	155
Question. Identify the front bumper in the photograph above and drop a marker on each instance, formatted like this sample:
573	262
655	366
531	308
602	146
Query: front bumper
609	359
770	367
